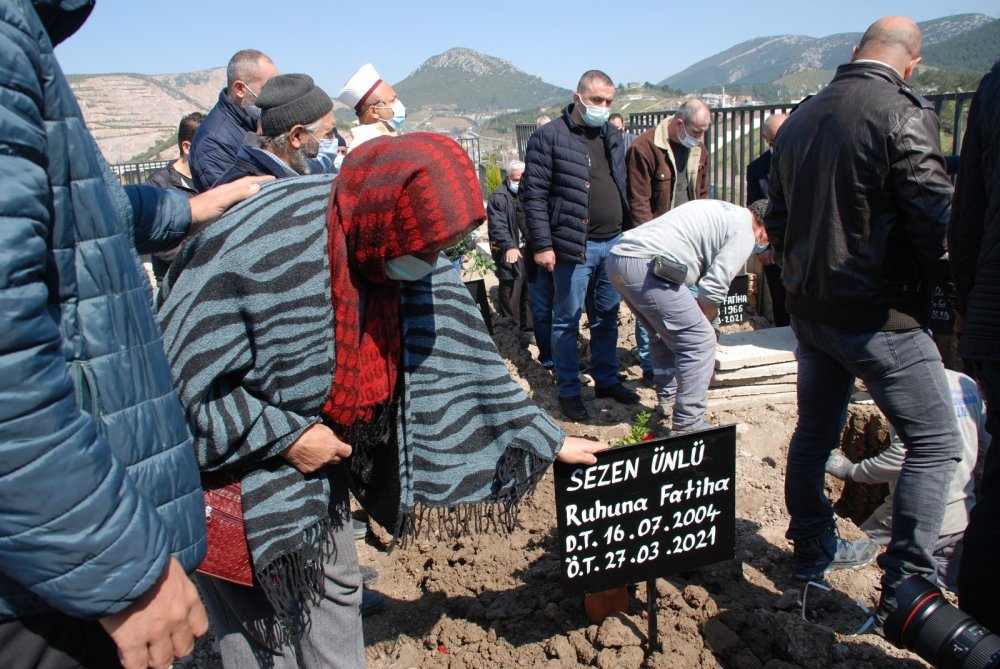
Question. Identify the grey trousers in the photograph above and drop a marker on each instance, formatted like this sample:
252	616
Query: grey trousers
683	350
334	638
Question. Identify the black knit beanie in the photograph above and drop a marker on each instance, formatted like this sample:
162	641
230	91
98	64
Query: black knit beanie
290	99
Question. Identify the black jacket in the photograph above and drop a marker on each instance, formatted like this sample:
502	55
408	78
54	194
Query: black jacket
860	203
555	188
505	222
757	175
974	235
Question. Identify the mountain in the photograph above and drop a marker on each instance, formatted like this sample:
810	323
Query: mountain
975	50
129	114
766	59
469	81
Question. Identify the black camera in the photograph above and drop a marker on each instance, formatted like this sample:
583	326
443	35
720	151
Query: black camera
925	623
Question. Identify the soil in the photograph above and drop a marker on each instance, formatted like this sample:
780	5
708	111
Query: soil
496	600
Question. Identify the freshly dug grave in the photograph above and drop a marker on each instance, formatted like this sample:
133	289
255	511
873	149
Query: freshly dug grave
496	600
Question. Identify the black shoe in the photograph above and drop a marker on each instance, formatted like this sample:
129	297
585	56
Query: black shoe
648	379
573	408
369	575
618	393
371	602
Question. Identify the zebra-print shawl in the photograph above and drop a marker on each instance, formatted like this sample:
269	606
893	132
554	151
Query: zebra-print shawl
248	327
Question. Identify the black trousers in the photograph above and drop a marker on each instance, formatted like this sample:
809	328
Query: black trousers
56	641
978	578
513	301
772	275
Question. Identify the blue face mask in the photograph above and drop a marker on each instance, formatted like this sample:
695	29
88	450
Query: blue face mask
513	186
759	248
593	115
407	268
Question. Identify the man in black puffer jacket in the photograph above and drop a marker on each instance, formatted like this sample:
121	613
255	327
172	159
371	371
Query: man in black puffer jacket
974	239
860	203
576	205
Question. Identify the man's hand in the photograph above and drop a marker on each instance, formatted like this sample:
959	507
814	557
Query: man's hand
161	625
316	448
577	451
838	466
208	206
546	259
710	310
511	256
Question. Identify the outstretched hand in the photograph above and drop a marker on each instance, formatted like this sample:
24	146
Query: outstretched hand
577	451
208	206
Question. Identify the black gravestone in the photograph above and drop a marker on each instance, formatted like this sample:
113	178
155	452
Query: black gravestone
734	308
647	510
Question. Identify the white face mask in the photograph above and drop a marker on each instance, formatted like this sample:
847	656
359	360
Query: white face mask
407	268
513	186
686	139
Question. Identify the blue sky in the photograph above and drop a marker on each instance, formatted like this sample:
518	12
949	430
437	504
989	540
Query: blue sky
641	41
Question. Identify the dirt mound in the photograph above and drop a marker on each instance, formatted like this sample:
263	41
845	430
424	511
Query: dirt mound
496	600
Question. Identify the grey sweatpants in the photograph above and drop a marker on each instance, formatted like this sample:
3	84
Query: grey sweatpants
334	638
683	351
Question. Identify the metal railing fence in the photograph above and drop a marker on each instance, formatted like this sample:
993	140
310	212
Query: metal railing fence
734	138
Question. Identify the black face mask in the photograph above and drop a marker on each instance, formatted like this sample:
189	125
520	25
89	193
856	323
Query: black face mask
62	18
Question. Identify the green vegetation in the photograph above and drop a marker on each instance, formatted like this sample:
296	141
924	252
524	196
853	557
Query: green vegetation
973	52
493	178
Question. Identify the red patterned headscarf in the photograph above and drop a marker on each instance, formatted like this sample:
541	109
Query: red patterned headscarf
395	196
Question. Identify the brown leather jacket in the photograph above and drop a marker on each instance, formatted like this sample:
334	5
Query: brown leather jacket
651	171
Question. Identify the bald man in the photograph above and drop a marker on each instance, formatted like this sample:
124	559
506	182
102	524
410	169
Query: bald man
860	203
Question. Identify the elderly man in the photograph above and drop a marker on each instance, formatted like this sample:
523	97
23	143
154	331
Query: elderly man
294	114
860	202
758	173
577	207
505	222
380	112
703	243
668	164
222	133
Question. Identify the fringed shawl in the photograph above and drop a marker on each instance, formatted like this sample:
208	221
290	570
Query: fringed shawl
248	326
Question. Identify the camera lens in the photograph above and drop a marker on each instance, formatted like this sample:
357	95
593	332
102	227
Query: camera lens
925	623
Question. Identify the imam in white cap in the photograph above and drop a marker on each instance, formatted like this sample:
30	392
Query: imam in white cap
361	84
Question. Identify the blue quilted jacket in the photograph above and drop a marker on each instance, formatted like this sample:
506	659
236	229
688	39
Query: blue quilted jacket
98	483
555	188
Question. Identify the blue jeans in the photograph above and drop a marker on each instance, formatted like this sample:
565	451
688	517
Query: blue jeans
575	284
540	293
642	346
978	581
905	376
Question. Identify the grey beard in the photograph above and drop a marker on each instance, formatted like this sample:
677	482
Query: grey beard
297	161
